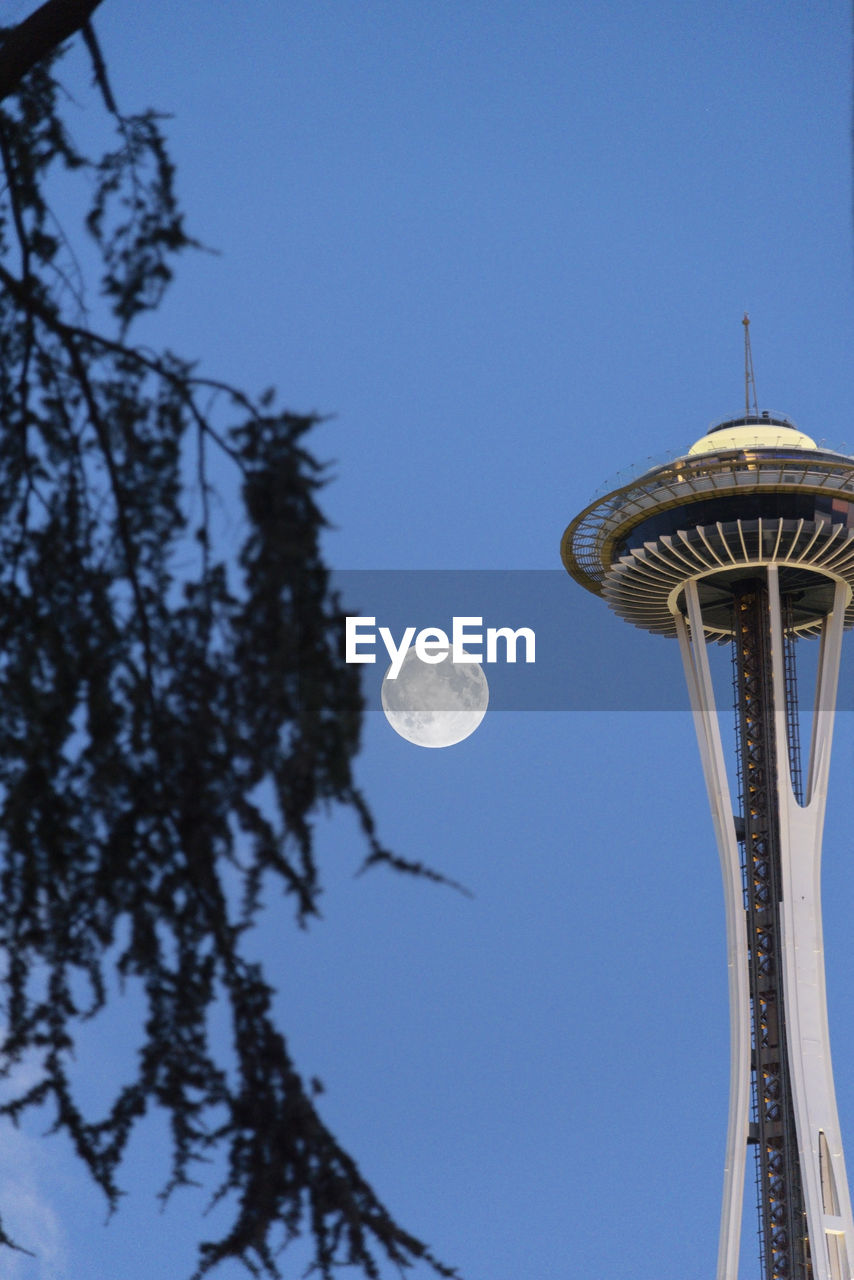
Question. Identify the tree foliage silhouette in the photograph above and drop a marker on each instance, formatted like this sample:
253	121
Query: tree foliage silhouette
151	690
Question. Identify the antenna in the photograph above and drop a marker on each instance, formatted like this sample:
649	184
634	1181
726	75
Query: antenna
749	379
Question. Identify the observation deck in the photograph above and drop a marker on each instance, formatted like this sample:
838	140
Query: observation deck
753	491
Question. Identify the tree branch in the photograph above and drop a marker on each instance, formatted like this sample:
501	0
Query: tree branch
37	36
99	69
30	304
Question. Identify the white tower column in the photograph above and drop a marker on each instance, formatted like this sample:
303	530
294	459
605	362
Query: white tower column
707	726
825	1184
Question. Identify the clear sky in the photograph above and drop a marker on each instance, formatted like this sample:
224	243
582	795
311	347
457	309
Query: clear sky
507	248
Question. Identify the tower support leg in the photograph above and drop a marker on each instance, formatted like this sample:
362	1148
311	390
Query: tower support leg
698	675
826	1196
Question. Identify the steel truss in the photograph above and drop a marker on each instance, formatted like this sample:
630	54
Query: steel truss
785	1251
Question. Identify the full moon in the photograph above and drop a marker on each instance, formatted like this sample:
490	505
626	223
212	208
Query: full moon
435	704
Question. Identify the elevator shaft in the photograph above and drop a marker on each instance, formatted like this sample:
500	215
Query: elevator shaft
783	1232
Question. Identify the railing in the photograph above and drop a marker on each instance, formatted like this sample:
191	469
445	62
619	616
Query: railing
677	479
626	475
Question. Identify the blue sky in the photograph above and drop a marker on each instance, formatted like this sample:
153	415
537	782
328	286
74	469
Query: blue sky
507	248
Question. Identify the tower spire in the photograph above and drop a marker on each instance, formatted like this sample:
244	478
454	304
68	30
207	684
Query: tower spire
749	379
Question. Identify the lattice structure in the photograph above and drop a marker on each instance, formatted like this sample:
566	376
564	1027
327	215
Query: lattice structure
793	718
782	1219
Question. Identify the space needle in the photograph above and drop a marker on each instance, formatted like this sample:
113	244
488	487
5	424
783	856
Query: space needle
748	539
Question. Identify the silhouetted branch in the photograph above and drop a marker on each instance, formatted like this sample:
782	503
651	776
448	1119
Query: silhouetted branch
163	720
40	34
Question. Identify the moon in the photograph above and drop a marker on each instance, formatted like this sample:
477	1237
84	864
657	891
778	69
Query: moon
435	704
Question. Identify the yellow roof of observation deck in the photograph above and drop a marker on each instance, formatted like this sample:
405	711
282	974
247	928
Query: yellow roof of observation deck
753	436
